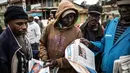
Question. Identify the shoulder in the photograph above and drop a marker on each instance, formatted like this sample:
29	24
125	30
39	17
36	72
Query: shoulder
49	26
36	25
76	29
115	20
3	36
83	25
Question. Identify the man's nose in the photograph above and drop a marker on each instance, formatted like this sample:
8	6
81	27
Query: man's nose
93	17
70	19
24	26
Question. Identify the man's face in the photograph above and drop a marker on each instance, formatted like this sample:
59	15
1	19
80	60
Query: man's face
51	16
30	19
124	11
36	20
68	19
18	26
93	20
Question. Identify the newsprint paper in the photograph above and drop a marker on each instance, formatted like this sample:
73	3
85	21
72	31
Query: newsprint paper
122	65
80	57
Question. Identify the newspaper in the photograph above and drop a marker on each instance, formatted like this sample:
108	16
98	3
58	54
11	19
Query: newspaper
80	57
122	65
32	62
45	70
35	66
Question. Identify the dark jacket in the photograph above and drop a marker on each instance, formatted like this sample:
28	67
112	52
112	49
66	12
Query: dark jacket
1	29
92	36
12	60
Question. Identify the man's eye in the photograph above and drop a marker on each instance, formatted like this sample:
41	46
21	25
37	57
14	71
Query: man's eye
21	23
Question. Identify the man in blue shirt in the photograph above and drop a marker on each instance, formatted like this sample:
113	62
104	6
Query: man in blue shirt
116	39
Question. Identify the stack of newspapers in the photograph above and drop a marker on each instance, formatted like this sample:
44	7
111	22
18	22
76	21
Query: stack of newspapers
122	65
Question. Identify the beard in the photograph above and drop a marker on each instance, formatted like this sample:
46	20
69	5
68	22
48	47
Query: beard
93	26
19	33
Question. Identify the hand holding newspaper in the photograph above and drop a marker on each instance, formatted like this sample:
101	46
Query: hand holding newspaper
80	57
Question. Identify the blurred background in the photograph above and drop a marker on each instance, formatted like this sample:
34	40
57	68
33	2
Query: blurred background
43	8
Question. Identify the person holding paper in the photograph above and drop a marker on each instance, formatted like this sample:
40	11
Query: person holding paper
116	39
92	30
58	35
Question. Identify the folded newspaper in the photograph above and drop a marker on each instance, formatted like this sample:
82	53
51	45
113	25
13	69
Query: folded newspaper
35	66
80	57
122	65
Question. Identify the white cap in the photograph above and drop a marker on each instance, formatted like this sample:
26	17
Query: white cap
36	17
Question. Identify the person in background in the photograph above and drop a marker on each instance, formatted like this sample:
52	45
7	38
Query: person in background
84	4
38	21
50	19
15	50
92	29
34	35
109	17
116	39
58	35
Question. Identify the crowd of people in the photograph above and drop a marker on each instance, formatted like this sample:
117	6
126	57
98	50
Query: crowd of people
25	37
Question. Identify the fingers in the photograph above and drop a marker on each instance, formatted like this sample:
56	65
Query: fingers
46	62
84	41
49	60
48	65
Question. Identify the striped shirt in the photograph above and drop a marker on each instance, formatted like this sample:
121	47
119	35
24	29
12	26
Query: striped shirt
119	31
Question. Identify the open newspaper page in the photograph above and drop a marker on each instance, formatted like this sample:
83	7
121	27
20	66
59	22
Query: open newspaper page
80	57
